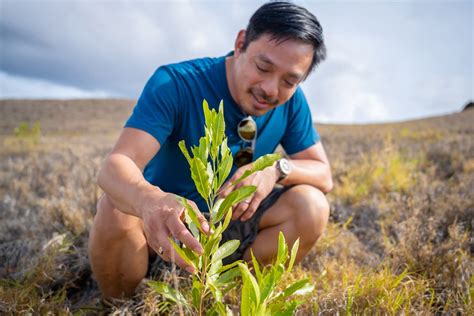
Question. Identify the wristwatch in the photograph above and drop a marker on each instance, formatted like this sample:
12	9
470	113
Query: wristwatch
284	168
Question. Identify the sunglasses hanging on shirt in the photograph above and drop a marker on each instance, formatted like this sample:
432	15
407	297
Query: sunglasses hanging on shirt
247	131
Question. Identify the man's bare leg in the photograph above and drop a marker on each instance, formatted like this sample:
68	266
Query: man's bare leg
117	250
301	212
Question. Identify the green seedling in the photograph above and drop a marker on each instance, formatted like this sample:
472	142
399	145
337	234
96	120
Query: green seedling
210	164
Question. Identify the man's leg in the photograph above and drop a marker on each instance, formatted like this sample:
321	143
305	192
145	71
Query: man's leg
301	212
118	250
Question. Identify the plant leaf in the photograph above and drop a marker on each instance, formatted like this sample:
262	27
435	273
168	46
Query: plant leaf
181	253
191	212
256	267
215	209
267	286
301	287
227	219
282	249
225	250
218	130
234	197
228	276
185	152
294	251
225	165
252	286
207	113
200	178
259	164
168	292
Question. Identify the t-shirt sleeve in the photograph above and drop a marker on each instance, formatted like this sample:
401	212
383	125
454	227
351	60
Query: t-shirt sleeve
156	111
300	132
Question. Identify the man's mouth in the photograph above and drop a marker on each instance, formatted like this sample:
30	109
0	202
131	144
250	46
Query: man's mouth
261	103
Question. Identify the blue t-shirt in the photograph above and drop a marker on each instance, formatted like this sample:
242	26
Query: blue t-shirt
170	109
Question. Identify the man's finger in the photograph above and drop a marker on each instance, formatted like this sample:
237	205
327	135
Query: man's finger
239	210
170	255
179	230
202	220
251	209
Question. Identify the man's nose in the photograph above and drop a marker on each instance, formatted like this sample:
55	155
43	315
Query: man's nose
270	88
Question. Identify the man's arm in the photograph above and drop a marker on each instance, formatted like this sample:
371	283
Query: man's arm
310	166
121	178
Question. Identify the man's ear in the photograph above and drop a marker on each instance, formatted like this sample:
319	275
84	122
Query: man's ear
239	42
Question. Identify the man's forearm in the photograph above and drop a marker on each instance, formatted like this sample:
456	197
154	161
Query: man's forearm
124	184
312	172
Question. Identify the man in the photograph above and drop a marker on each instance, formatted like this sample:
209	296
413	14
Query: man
259	85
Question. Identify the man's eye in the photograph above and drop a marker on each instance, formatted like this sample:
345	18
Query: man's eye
261	69
289	84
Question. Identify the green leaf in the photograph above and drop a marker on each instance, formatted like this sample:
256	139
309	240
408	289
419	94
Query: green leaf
191	212
226	250
301	287
227	219
196	296
225	165
211	246
168	292
215	209
230	266
267	286
294	251
213	272
259	164
181	252
185	152
256	267
235	197
251	284
277	271
282	249
207	113
228	276
200	152
200	178
246	297
218	130
289	309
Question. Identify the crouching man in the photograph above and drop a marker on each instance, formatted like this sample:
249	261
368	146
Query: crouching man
263	107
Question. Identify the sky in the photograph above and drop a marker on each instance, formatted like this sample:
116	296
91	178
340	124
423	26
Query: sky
387	60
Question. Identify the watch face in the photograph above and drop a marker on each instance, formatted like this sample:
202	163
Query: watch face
285	166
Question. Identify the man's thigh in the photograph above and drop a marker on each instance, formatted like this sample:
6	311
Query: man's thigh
247	231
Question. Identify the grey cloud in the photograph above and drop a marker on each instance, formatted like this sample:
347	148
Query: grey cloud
112	46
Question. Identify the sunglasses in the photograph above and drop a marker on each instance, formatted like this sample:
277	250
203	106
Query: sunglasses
247	131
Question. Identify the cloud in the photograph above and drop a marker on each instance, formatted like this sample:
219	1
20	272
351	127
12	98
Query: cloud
14	87
386	61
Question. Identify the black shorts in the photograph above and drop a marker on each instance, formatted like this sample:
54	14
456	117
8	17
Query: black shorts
245	232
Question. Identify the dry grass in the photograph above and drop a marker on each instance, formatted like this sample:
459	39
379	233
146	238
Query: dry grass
399	240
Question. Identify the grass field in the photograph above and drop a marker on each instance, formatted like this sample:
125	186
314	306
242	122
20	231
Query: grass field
399	239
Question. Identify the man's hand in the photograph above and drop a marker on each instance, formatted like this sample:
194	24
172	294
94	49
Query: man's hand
264	180
162	219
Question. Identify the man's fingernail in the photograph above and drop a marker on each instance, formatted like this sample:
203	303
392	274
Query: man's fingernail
190	270
198	250
205	227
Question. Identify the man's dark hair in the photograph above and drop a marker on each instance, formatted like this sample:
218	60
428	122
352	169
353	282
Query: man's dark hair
283	21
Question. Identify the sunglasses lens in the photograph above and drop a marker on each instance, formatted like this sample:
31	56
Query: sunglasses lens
247	129
243	157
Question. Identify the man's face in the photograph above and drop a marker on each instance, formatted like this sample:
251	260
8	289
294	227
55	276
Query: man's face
268	72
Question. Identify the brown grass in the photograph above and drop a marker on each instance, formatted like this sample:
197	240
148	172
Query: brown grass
399	240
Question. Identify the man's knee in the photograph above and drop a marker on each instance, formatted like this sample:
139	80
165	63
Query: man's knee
311	212
111	223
